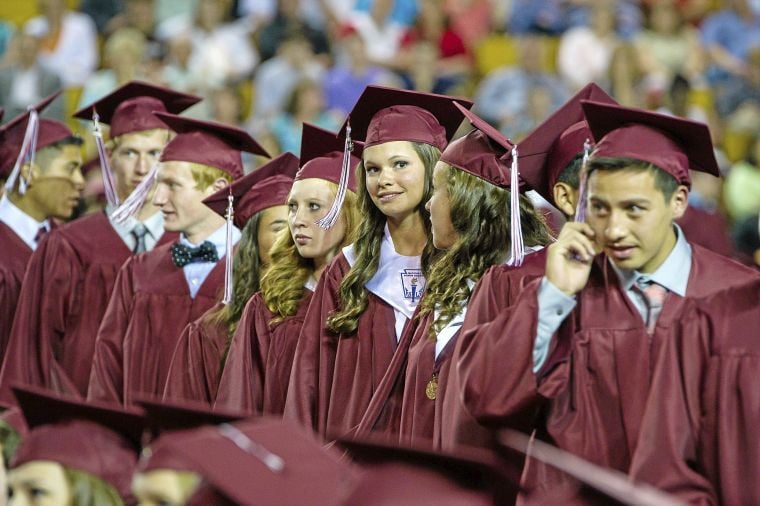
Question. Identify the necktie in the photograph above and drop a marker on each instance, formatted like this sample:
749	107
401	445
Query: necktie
41	232
654	296
183	254
139	232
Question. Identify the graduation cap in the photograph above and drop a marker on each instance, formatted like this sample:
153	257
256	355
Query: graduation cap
208	143
23	136
100	439
322	156
267	186
412	475
553	144
485	153
263	461
673	144
162	416
130	108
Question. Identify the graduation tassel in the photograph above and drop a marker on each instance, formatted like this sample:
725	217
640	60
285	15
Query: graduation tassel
329	219
136	199
28	149
517	247
227	298
580	207
105	168
273	462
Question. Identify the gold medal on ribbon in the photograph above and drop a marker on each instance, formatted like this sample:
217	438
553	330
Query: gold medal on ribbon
431	391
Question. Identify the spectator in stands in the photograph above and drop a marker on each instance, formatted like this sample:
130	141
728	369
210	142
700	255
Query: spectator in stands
742	188
288	19
68	42
727	36
627	13
383	25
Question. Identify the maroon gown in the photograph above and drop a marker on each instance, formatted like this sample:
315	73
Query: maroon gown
149	307
15	256
709	230
592	390
335	375
196	363
69	281
257	371
699	437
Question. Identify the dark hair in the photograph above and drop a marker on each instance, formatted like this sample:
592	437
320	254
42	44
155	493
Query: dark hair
44	155
570	175
663	181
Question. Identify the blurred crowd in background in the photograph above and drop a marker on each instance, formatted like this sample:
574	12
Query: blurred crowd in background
270	65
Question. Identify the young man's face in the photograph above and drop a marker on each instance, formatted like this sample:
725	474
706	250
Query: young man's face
57	183
180	199
632	220
133	157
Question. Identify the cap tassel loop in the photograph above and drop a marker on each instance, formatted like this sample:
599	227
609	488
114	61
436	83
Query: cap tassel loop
517	247
105	168
28	149
580	207
329	219
227	298
136	199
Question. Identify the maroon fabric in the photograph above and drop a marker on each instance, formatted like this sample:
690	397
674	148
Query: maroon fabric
387	114
699	436
15	257
12	137
196	363
335	376
67	287
673	144
257	370
208	143
267	186
149	307
595	383
130	108
165	416
709	230
311	474
547	150
480	155
15	419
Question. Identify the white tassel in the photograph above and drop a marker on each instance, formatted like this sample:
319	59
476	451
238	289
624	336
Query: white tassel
273	462
26	154
227	298
105	168
136	199
517	247
329	219
580	207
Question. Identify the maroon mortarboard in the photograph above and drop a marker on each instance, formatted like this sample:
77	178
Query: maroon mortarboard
484	152
130	108
267	186
13	134
553	144
388	114
409	475
99	439
322	156
596	484
263	461
208	143
162	416
673	144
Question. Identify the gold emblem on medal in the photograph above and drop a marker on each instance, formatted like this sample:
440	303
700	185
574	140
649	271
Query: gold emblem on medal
431	391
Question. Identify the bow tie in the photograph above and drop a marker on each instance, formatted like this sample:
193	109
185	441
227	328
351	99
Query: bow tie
183	254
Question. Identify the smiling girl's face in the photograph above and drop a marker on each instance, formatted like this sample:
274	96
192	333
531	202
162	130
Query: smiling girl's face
395	178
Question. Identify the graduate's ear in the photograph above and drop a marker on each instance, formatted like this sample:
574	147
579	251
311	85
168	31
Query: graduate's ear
679	201
217	185
565	198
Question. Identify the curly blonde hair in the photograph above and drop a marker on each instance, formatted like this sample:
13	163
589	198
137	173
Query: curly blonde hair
480	216
282	285
353	296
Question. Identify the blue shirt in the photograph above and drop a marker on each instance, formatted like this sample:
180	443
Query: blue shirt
196	272
554	305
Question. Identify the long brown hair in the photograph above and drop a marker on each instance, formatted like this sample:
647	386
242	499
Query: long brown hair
248	269
282	285
480	216
353	295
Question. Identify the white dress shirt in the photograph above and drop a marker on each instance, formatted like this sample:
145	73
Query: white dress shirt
21	223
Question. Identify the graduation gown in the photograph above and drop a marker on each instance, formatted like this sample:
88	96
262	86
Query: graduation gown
593	388
196	364
70	278
149	307
699	438
15	257
257	371
335	375
709	230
